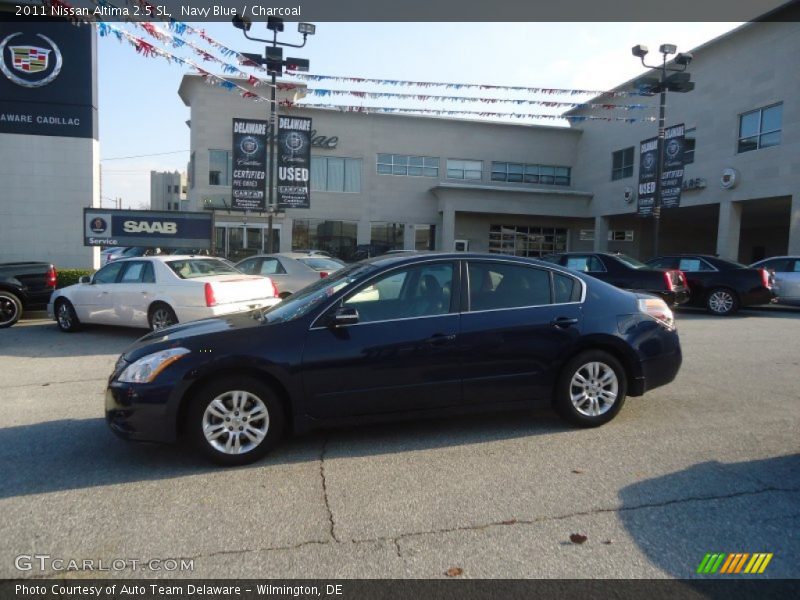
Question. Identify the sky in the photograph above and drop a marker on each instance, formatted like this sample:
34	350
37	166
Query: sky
140	112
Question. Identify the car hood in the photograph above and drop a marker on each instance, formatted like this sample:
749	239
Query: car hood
189	334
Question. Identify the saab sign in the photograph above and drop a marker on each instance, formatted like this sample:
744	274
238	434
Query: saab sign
149	228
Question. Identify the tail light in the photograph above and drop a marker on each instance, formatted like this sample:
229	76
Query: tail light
211	300
683	278
51	279
668	281
657	309
323	274
765	279
275	292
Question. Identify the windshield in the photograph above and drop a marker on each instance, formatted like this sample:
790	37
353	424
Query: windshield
203	267
310	297
631	262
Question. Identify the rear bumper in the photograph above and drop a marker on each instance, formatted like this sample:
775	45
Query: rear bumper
675	298
659	368
195	313
759	295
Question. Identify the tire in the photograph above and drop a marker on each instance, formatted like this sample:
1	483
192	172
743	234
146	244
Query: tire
160	316
722	302
285	295
66	319
10	309
591	406
217	438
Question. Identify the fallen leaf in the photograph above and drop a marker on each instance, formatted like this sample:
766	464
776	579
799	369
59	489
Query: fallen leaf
577	538
607	542
454	571
509	522
577	471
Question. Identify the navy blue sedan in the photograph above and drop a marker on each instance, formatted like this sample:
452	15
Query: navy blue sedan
399	335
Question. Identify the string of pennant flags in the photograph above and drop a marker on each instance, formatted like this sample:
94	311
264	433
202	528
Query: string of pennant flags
176	28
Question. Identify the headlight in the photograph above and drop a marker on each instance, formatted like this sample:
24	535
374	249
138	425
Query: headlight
146	369
658	309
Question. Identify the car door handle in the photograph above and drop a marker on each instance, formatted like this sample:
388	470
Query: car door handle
439	339
564	322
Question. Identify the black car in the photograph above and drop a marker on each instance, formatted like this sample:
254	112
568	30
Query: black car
24	286
399	335
721	286
627	273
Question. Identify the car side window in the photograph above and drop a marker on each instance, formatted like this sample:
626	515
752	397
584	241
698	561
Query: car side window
133	272
694	265
249	266
797	266
565	289
779	265
494	286
271	266
421	291
108	274
148	273
587	264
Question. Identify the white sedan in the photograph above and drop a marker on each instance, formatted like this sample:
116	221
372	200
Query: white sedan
159	291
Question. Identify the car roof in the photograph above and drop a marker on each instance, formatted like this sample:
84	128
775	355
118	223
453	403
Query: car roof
167	257
294	255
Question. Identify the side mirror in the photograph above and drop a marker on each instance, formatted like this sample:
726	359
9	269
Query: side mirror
85	279
345	315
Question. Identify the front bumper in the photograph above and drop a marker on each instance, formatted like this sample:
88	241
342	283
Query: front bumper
675	298
141	412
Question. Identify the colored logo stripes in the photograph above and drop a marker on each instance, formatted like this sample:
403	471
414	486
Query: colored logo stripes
734	563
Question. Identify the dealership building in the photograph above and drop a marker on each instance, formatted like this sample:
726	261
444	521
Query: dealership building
403	181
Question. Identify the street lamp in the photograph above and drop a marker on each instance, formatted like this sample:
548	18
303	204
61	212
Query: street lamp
677	82
273	59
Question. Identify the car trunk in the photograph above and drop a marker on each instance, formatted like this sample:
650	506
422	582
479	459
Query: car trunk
238	288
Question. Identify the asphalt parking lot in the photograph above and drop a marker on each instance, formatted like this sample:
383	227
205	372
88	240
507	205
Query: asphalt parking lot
710	463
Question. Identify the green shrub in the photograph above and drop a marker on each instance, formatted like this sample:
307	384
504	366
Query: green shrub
70	276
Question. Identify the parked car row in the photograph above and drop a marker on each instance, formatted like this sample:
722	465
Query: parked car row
721	286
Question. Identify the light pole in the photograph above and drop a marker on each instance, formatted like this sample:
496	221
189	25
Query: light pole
677	82
273	59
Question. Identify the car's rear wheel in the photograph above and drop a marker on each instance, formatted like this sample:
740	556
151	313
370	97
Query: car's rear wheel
591	389
161	316
236	421
10	309
66	319
722	302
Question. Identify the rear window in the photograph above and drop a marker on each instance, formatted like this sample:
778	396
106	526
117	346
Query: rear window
188	269
321	264
631	262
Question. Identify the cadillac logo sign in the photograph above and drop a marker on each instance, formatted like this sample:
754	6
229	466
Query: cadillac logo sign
28	65
729	179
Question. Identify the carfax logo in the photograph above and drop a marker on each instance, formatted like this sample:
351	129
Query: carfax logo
27	64
734	564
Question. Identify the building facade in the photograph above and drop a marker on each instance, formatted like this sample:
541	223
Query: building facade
384	181
168	190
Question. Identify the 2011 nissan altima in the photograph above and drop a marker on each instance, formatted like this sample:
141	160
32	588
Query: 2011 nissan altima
399	335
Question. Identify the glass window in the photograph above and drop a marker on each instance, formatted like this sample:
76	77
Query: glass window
587	264
248	266
424	237
387	236
622	164
422	291
337	238
694	264
528	241
494	286
133	272
565	289
271	266
779	265
519	173
464	169
108	274
689	143
191	268
322	264
413	166
334	174
760	128
191	171
219	167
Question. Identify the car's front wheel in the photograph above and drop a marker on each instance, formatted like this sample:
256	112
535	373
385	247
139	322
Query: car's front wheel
236	421
591	389
10	309
66	318
722	302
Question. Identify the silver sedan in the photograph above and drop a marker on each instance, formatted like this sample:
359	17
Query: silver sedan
290	271
787	277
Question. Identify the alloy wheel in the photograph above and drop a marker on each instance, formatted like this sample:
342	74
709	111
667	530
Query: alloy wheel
594	389
161	318
8	310
720	302
64	316
235	422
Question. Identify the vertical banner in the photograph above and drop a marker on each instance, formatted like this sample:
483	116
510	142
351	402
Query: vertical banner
294	162
672	169
249	177
648	160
